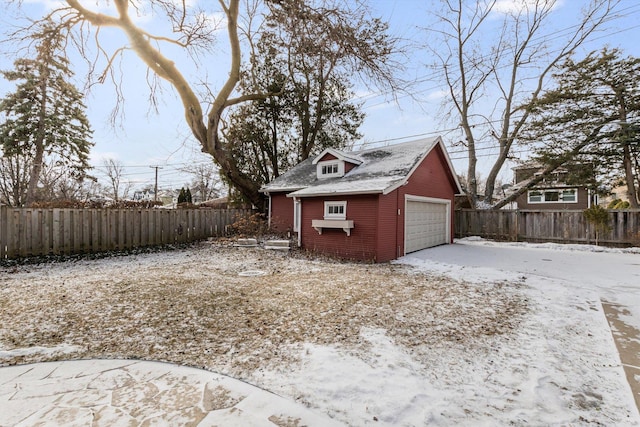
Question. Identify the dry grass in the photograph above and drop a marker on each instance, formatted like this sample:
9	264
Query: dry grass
191	307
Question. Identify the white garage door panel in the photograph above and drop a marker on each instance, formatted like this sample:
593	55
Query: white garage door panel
426	225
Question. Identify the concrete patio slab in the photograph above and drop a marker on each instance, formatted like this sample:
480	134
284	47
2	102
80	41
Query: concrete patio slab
135	393
627	339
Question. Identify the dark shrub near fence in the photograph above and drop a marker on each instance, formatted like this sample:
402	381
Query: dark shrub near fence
565	226
41	231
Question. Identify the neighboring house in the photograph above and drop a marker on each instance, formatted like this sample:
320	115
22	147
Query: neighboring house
563	189
168	198
370	205
143	196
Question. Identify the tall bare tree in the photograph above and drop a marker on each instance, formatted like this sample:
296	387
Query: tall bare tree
204	106
516	63
114	172
205	181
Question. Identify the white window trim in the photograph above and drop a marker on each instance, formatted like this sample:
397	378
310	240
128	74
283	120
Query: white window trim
558	190
340	172
575	190
535	191
341	216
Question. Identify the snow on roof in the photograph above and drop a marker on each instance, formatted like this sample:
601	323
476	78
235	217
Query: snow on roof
382	170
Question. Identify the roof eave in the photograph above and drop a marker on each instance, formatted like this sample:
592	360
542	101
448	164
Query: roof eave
279	189
395	186
339	193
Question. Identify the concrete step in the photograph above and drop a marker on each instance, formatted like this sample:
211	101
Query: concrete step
279	245
248	243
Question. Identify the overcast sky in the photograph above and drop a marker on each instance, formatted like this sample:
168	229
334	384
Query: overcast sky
144	138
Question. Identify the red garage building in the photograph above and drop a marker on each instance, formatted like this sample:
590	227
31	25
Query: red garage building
370	205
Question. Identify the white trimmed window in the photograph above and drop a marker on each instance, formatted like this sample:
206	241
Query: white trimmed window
330	169
535	196
569	195
335	210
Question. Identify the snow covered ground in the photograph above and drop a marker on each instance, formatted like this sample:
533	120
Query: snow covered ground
559	368
612	273
475	333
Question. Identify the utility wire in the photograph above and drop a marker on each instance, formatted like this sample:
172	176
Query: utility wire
555	35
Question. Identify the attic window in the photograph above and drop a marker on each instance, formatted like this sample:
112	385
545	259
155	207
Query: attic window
330	169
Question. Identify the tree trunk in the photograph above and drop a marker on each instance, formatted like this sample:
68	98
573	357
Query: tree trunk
472	183
36	168
626	152
629	177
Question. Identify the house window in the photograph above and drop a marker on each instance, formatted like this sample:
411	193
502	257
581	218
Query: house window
553	196
535	196
569	196
330	169
335	210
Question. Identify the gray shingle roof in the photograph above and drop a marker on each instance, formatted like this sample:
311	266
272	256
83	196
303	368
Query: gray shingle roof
381	171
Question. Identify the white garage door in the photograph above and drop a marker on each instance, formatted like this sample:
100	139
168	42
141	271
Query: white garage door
426	224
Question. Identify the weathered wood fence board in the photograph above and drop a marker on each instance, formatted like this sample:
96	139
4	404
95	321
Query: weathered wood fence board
32	232
566	226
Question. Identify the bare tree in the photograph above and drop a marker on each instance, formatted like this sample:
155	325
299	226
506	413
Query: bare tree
118	186
192	32
517	64
56	180
59	182
205	181
14	178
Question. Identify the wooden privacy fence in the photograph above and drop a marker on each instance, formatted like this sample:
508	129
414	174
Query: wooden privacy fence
32	232
563	226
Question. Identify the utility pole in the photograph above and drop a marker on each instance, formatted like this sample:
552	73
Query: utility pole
155	190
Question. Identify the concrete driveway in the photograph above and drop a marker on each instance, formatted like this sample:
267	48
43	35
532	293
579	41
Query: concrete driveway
613	274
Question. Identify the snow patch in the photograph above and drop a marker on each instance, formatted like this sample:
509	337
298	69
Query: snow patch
37	350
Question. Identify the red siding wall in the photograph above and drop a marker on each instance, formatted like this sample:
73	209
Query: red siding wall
348	166
281	212
388	246
327	157
378	233
360	245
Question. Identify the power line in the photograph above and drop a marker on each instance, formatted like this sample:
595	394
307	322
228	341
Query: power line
555	35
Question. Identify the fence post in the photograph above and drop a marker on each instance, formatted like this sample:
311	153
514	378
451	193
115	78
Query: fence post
3	232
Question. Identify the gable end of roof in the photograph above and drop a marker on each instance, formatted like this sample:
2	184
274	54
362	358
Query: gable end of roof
338	155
